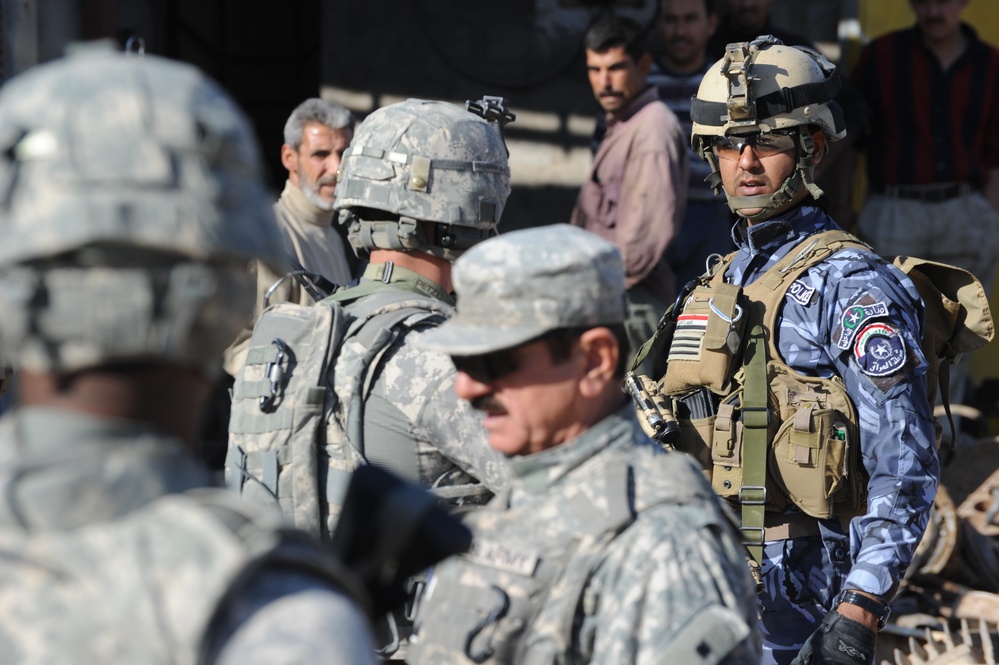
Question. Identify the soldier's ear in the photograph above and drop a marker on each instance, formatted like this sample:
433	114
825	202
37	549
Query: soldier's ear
821	144
600	351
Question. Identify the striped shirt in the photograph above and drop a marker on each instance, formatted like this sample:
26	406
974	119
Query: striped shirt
676	90
929	125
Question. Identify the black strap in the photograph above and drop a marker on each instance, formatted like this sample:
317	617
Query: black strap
785	100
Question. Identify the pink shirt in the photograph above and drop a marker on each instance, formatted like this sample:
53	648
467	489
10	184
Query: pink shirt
635	196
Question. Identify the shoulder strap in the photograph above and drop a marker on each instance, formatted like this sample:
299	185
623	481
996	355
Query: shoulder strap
764	296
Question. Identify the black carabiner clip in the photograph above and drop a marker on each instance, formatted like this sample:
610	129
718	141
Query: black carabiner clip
498	612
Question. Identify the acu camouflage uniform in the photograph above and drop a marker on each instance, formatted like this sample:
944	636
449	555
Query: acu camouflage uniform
419	176
116	550
604	549
132	200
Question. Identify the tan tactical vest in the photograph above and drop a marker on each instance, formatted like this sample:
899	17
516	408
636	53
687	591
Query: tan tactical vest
767	436
141	589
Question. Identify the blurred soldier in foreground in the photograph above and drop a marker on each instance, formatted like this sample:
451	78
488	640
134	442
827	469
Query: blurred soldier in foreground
421	182
132	201
604	549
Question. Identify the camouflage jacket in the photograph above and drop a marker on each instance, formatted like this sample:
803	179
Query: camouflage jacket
604	550
822	333
115	551
414	424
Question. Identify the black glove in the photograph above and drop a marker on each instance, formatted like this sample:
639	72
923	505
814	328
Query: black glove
838	641
389	530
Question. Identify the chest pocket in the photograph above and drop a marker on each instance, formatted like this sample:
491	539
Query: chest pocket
706	341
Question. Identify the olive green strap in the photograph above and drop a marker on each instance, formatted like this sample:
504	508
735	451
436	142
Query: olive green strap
755	418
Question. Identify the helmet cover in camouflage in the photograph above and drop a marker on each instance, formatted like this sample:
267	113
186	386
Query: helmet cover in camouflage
422	161
132	198
765	86
520	285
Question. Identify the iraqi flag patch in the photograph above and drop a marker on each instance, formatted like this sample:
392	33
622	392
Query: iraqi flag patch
879	350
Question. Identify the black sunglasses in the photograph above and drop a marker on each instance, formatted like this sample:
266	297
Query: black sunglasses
490	367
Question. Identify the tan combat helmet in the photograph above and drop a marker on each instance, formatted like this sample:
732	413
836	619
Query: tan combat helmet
132	200
423	175
764	86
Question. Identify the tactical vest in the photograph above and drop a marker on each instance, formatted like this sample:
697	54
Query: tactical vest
147	588
517	596
768	436
297	426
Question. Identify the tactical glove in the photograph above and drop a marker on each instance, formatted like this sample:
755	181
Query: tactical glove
838	641
390	530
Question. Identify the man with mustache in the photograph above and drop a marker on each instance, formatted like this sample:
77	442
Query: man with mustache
636	191
684	29
315	136
933	146
603	549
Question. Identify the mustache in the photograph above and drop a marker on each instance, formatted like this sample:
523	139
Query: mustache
609	93
326	180
488	404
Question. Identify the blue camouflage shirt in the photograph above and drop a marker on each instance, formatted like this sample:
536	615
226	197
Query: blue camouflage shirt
857	317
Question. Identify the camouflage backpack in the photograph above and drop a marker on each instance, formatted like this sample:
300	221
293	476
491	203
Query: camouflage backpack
295	433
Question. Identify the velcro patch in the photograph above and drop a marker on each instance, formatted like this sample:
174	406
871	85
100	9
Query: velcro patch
879	350
801	293
688	337
854	318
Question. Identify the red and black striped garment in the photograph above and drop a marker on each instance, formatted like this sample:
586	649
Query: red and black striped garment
929	125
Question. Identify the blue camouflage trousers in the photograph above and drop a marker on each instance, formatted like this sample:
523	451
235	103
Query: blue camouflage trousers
801	579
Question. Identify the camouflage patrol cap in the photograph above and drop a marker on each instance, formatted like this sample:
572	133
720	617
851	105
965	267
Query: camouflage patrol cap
131	199
422	161
522	284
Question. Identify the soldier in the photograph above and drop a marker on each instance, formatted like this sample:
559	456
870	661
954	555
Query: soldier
795	366
133	200
604	549
421	182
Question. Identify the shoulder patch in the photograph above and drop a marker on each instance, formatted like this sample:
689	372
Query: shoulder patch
855	317
801	293
879	350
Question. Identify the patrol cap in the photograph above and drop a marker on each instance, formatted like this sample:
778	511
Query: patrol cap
520	285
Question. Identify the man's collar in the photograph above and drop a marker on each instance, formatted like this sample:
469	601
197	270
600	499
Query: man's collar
770	234
302	208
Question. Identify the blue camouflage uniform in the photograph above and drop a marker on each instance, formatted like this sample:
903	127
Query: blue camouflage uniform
822	333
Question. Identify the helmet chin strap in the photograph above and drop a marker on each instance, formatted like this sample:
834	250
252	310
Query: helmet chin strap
772	204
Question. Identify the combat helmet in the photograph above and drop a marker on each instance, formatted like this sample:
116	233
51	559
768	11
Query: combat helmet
765	86
423	175
131	202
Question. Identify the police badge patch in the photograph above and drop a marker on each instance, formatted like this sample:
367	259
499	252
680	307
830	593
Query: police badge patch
879	350
855	317
801	293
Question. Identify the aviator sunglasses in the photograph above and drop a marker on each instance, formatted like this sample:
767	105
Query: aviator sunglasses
490	367
764	145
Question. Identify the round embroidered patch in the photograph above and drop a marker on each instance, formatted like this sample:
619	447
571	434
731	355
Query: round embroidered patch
879	350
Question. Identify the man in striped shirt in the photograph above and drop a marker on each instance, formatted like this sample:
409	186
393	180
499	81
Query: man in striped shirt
684	29
933	145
